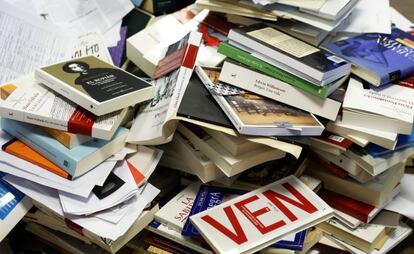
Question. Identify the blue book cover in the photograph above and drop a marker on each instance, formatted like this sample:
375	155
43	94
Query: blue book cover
67	159
9	197
210	196
387	56
404	141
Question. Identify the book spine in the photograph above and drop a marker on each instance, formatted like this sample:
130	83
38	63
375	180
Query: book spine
257	64
278	90
33	138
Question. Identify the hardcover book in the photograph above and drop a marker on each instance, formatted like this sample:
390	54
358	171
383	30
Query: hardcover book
255	115
211	196
76	161
32	102
258	83
378	58
257	219
292	52
95	85
388	108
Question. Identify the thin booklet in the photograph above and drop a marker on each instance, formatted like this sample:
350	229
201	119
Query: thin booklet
257	219
253	114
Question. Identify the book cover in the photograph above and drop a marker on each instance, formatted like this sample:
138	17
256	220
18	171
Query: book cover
34	103
117	52
21	150
198	104
394	102
335	140
248	59
259	218
317	63
252	81
68	139
76	161
95	85
252	114
211	196
403	141
378	58
175	213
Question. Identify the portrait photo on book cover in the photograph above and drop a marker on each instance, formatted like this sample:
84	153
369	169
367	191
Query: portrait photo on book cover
101	84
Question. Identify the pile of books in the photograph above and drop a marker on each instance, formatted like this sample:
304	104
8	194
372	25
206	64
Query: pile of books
231	127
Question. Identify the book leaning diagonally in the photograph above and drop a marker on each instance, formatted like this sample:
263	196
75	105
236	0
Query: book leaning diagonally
154	123
258	218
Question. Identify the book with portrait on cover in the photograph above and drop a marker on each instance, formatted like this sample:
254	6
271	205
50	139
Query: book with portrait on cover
95	85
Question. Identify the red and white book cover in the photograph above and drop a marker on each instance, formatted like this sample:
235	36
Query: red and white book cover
175	213
334	140
259	218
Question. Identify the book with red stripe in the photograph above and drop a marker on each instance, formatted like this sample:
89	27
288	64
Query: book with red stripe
352	207
257	219
31	102
333	140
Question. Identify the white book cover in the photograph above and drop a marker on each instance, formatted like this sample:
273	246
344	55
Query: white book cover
275	89
31	102
259	218
175	213
392	101
155	123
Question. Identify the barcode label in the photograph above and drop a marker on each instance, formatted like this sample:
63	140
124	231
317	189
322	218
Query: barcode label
336	59
336	138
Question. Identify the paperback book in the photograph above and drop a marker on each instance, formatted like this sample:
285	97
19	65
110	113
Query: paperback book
255	115
283	207
95	85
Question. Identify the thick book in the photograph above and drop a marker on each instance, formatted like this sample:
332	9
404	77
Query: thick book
248	59
283	207
21	150
211	196
256	115
175	213
68	139
388	108
32	102
95	85
357	209
403	141
292	52
76	161
378	58
198	104
252	81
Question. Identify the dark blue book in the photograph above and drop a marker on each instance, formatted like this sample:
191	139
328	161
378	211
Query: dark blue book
9	197
210	196
379	58
404	141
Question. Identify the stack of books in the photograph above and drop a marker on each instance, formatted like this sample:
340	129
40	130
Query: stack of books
245	128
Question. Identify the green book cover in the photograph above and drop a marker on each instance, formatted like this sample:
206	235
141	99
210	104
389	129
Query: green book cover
247	59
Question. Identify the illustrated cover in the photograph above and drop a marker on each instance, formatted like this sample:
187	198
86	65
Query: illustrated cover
386	57
211	196
175	213
31	102
312	58
74	161
198	104
392	101
252	114
95	85
257	219
21	150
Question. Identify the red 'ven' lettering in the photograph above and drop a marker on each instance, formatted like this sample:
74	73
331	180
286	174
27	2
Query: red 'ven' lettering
252	216
303	203
238	237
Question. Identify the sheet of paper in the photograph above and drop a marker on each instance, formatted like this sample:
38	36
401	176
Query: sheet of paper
76	205
400	21
49	198
81	186
91	44
27	42
404	202
113	35
368	16
84	15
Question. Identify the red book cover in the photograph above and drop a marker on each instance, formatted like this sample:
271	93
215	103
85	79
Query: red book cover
352	207
335	140
329	167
